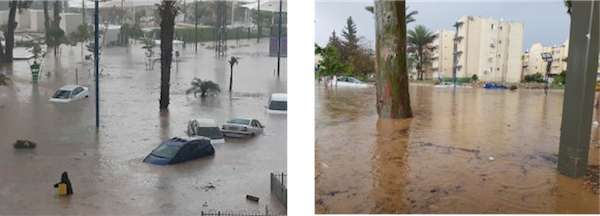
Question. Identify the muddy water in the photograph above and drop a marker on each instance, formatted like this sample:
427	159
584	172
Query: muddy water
105	164
473	151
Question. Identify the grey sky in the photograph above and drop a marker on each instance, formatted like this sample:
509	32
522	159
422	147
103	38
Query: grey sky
545	22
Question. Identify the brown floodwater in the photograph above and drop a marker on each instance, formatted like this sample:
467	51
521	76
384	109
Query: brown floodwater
105	165
469	151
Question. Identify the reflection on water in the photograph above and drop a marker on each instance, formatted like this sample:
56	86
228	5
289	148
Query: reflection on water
469	151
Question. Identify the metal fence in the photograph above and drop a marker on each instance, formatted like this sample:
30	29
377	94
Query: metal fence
279	187
240	213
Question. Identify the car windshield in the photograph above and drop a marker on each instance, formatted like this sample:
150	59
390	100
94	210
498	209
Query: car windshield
165	151
278	105
239	121
210	132
353	80
62	94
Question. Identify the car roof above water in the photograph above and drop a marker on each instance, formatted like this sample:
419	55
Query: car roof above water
69	87
204	122
279	97
179	142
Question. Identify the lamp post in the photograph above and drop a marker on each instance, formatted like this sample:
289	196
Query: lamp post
279	39
548	59
455	55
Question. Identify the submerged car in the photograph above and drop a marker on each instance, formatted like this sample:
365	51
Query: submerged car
205	128
344	81
238	127
177	150
70	93
277	104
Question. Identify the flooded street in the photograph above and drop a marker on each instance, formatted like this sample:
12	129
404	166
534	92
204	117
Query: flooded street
105	164
472	151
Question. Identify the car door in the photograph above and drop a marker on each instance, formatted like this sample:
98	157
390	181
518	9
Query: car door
194	152
256	126
75	94
183	154
79	92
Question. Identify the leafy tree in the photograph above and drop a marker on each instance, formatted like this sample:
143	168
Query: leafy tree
168	11
335	41
4	80
561	78
6	52
568	5
332	63
537	77
350	45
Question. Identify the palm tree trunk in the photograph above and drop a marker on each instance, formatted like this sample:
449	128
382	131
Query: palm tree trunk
10	32
167	26
393	100
421	68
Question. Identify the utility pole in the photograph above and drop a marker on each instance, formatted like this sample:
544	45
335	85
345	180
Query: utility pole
258	30
454	68
96	59
578	103
279	38
196	25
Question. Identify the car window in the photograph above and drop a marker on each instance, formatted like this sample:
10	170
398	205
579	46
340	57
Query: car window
278	105
165	151
210	132
62	94
258	123
239	121
254	123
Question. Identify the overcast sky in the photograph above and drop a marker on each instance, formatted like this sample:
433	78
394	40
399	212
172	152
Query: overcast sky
545	22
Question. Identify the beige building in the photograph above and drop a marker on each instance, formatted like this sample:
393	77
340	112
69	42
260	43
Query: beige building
490	48
442	53
533	62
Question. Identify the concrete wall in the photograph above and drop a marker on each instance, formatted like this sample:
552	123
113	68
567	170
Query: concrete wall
37	20
70	21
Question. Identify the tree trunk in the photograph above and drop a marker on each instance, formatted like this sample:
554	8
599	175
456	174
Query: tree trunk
46	21
56	26
422	67
258	20
9	35
393	100
231	78
167	26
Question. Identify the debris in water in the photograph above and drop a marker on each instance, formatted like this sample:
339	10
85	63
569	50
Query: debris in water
208	187
592	178
595	124
253	198
325	165
24	144
491	158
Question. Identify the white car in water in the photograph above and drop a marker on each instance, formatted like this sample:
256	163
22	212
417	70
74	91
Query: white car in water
238	127
205	128
344	81
70	93
277	104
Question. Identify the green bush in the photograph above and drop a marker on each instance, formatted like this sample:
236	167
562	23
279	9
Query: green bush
537	77
560	79
458	79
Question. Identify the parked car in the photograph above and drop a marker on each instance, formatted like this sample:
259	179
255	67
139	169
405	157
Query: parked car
70	93
344	81
277	104
205	128
177	150
237	127
494	86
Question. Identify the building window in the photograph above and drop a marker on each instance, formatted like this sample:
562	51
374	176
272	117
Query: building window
500	27
499	41
498	69
493	27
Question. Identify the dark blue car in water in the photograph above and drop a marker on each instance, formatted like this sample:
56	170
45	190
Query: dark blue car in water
177	150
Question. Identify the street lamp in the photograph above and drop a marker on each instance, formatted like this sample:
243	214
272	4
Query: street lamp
548	59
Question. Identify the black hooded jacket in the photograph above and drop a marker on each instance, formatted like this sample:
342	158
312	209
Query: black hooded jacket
65	179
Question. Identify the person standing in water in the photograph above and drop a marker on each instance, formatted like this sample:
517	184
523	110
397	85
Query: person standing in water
64	179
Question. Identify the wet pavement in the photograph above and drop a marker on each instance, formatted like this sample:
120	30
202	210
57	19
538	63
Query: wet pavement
105	164
473	151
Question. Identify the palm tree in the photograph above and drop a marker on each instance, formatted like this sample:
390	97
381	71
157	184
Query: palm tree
232	61
409	16
568	5
168	12
203	87
393	99
420	38
4	80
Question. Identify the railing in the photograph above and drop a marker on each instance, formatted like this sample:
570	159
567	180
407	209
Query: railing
279	187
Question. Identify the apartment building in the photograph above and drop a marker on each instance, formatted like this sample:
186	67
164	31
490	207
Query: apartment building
443	53
533	62
489	48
